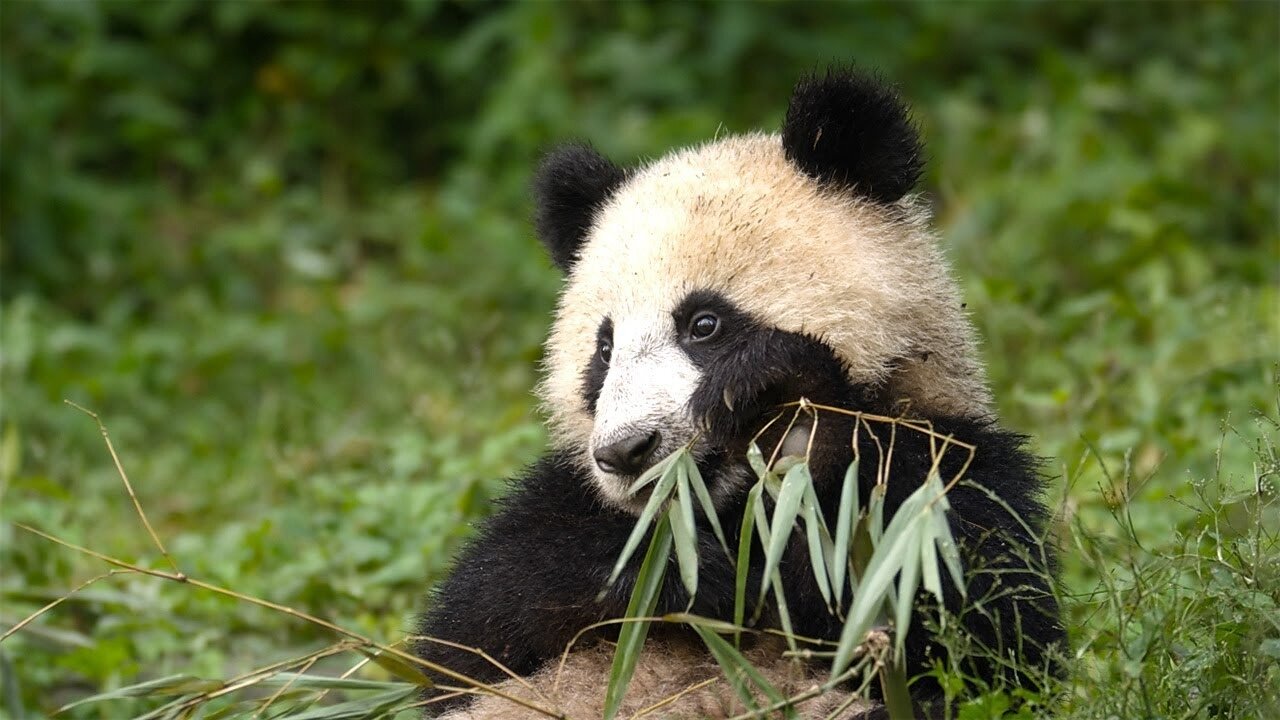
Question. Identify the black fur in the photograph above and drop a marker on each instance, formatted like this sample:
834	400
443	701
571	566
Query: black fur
852	131
570	186
528	582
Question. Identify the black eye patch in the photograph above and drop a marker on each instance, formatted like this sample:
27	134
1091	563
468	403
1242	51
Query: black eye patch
708	325
598	367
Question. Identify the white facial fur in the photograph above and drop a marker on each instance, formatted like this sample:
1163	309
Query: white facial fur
735	217
648	387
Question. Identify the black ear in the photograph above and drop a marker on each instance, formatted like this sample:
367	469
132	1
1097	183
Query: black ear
571	185
850	130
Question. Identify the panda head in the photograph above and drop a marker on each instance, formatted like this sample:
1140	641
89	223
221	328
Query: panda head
707	287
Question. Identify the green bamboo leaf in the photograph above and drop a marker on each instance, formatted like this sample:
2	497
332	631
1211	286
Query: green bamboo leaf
784	614
160	687
686	548
756	459
875	508
659	469
849	508
743	562
737	668
761	524
661	493
875	587
719	626
734	673
323	682
943	537
929	564
919	533
819	547
704	499
395	666
371	706
644	599
860	550
784	519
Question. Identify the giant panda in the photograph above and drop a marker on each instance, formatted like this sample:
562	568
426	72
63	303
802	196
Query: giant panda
703	292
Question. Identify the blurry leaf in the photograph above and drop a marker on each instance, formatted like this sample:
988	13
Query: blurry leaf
323	682
372	706
169	685
397	667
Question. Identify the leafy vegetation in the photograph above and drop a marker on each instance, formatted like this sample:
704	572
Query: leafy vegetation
282	250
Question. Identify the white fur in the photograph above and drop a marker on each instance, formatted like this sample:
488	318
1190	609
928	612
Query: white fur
734	216
648	387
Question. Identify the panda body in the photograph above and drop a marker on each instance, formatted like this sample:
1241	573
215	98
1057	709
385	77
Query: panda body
705	291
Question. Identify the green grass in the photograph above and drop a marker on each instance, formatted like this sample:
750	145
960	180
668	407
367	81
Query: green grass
283	251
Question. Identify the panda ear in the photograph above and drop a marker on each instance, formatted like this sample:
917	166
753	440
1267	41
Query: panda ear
570	186
851	130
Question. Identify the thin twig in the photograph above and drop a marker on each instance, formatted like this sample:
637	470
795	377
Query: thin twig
28	619
127	485
351	634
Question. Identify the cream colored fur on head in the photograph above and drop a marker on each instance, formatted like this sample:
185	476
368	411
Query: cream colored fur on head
666	669
735	217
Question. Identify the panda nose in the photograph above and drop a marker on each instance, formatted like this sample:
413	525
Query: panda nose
628	456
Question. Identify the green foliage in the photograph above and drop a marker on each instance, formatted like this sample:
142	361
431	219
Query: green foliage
282	248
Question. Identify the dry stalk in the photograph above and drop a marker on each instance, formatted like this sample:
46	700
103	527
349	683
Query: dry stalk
180	577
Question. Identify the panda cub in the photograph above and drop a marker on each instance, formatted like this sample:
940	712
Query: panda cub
704	292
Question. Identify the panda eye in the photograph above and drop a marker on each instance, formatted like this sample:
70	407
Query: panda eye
606	351
704	325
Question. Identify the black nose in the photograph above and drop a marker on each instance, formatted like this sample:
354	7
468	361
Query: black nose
630	455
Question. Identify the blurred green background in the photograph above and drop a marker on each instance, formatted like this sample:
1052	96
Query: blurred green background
283	250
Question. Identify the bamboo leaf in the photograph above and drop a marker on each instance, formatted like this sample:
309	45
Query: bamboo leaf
644	599
325	682
658	470
734	673
784	519
874	589
784	614
736	668
704	499
686	549
756	459
719	626
395	666
819	546
168	685
929	565
371	706
761	524
848	510
943	537
660	495
919	533
876	510
743	562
